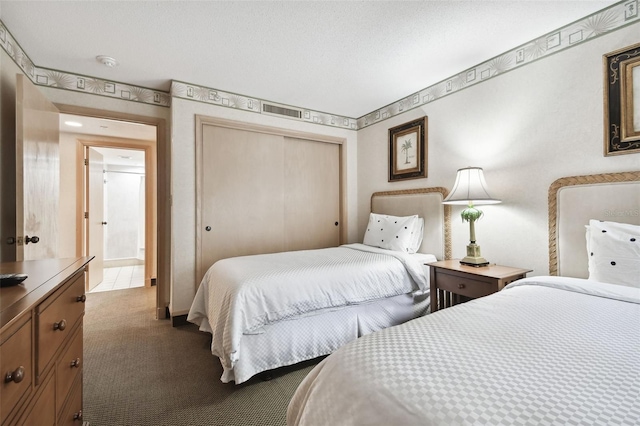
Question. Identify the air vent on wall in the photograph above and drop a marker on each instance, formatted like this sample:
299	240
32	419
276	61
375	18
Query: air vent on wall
281	110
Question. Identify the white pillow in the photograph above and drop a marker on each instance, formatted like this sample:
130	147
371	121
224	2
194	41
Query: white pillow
393	232
614	252
418	233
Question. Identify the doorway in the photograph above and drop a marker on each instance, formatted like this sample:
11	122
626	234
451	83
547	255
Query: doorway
121	196
115	197
157	164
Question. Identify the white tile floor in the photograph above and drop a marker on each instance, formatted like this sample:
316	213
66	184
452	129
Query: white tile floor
121	278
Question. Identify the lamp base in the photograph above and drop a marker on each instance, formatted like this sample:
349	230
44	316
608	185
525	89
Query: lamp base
474	261
474	257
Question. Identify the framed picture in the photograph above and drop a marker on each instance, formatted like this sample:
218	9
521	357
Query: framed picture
622	101
408	150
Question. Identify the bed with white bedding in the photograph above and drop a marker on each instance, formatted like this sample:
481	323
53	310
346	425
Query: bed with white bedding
271	310
545	350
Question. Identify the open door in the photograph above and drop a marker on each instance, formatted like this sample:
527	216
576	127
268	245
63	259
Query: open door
37	173
94	219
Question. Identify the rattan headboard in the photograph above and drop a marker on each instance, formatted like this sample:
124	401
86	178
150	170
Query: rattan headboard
573	201
426	203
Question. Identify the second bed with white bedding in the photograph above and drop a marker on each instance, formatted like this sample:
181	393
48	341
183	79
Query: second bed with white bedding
267	311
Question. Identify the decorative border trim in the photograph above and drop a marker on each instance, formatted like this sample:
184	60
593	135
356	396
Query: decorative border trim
553	204
208	95
447	210
607	20
612	18
78	83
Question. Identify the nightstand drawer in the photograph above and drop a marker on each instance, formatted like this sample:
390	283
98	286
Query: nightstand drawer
465	286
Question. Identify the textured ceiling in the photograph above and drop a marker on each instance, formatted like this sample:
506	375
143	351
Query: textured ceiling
341	57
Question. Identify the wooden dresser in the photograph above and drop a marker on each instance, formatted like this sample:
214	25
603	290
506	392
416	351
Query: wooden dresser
41	343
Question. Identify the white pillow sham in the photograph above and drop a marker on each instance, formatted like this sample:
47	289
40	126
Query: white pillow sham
399	233
614	252
418	234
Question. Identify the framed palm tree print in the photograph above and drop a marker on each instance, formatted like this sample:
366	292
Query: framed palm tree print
408	150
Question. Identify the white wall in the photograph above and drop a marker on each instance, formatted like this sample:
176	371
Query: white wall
526	128
184	185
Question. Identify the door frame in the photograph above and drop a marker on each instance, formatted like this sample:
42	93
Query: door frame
150	202
90	221
161	227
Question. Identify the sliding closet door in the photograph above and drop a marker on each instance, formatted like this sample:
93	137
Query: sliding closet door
241	194
264	190
312	194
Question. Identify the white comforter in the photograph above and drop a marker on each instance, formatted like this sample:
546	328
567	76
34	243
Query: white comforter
240	295
544	351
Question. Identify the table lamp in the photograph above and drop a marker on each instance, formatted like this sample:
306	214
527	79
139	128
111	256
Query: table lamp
470	189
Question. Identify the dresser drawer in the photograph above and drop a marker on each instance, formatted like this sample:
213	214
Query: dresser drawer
68	367
465	286
56	317
16	367
42	411
72	413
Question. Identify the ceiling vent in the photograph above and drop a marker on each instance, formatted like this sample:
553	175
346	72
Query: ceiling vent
281	110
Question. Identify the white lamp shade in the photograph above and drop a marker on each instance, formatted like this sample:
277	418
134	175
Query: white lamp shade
470	188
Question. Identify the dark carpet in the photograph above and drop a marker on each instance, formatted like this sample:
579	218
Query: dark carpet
140	371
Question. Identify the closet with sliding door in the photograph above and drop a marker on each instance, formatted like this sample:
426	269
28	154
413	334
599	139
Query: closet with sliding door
264	190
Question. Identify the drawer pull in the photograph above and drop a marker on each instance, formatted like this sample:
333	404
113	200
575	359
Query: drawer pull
77	416
81	299
60	325
15	376
75	363
461	285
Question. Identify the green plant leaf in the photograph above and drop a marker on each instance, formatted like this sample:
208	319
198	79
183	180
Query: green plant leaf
471	213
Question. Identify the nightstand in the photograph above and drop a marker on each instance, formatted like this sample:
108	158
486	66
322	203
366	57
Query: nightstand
453	283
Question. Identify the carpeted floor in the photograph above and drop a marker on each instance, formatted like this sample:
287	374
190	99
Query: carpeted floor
139	371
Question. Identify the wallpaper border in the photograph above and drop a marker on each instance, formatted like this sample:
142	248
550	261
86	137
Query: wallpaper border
595	25
208	95
48	77
614	17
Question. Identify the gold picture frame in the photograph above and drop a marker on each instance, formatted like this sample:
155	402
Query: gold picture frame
622	101
408	150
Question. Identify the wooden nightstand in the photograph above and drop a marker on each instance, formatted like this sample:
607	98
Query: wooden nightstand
453	283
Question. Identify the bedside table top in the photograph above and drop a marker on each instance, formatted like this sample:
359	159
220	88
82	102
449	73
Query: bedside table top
492	270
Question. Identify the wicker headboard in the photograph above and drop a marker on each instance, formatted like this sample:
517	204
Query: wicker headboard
573	201
426	203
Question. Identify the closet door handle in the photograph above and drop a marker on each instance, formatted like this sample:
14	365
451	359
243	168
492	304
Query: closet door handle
28	239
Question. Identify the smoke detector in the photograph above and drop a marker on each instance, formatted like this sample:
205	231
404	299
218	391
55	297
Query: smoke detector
107	61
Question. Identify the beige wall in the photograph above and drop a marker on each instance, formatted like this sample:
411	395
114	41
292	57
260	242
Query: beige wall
67	211
183	186
526	128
